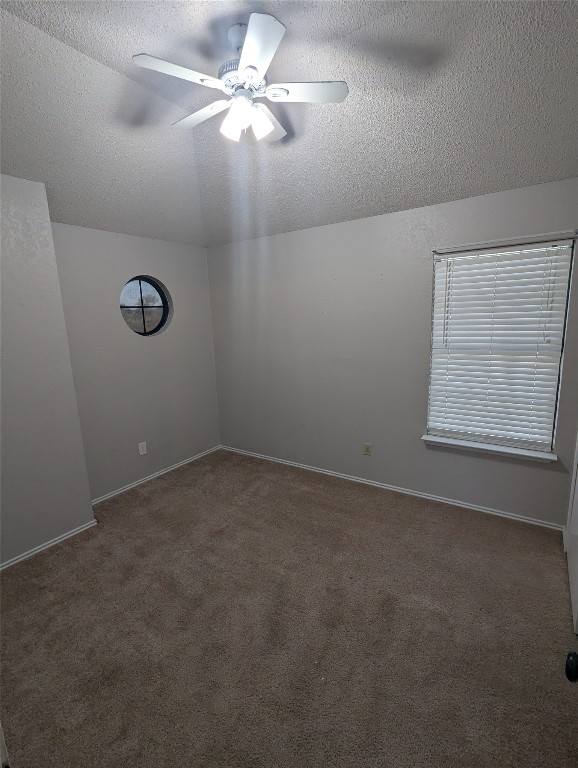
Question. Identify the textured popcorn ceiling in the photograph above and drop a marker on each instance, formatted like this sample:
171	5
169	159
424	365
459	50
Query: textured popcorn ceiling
447	100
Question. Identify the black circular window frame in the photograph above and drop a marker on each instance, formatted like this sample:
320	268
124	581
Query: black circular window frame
165	303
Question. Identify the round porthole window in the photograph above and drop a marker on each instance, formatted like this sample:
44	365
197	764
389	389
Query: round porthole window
144	305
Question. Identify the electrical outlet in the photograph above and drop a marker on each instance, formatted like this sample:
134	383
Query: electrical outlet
367	449
142	448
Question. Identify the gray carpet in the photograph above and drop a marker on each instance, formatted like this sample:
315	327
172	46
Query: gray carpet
240	613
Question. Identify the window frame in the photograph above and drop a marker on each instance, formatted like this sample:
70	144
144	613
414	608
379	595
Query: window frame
165	302
495	447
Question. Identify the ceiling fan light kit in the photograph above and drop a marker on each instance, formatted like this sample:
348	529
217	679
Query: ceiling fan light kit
243	80
242	114
260	122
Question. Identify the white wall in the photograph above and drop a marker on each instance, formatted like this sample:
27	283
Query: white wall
45	492
322	344
322	341
130	388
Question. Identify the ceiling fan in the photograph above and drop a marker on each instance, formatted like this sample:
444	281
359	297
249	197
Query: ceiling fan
243	80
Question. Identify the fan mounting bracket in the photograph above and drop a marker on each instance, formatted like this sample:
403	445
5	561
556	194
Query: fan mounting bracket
236	36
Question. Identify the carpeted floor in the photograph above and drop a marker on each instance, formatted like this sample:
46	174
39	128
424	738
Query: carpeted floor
237	612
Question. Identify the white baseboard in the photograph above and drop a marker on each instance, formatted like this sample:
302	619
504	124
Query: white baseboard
84	527
46	545
419	494
155	474
431	497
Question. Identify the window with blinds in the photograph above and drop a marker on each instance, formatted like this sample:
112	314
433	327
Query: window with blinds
497	339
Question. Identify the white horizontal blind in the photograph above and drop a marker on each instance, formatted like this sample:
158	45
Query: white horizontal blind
498	330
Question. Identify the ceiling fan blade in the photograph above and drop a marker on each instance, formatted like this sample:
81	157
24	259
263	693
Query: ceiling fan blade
203	114
278	131
324	92
159	65
264	33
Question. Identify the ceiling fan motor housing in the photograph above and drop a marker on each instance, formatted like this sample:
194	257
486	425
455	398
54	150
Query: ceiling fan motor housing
232	79
228	72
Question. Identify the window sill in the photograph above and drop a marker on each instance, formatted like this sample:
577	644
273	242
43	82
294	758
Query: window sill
499	450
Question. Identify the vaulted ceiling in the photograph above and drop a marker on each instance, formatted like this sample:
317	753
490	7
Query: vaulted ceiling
447	100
